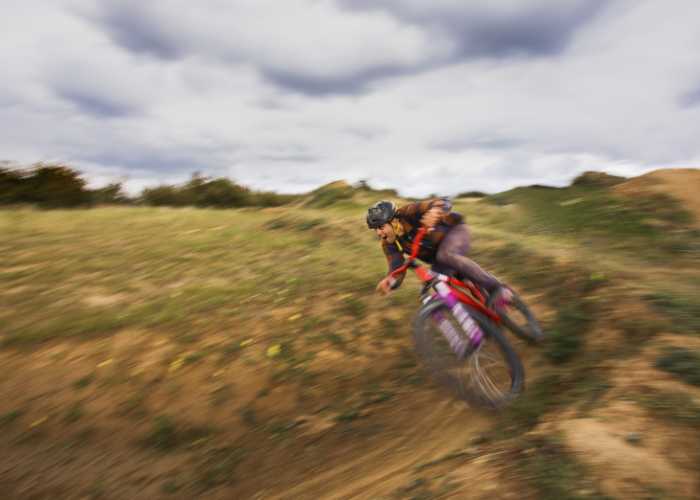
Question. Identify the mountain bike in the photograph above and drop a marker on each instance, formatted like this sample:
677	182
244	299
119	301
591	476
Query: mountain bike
458	339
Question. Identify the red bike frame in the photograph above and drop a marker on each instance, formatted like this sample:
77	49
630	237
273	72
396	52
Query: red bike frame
425	276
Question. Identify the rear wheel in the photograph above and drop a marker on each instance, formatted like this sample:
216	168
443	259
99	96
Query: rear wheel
489	377
517	317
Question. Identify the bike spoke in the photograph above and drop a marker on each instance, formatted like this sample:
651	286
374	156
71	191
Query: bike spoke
486	385
496	375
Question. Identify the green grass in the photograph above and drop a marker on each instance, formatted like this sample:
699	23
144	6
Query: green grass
564	339
593	215
103	271
326	196
682	310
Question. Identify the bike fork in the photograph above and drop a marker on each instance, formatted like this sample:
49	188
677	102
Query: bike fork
470	327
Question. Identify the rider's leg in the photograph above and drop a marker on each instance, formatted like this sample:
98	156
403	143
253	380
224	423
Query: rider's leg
451	257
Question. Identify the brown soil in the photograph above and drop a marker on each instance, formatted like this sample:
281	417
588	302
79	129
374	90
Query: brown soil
105	453
635	454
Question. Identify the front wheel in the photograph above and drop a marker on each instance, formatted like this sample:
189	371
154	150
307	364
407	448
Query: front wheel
490	376
516	316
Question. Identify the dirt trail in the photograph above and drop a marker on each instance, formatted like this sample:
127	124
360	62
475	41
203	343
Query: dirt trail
428	428
106	457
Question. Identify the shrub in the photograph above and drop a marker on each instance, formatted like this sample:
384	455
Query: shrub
112	193
46	185
213	193
472	194
597	179
160	196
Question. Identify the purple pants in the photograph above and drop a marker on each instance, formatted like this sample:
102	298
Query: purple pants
450	259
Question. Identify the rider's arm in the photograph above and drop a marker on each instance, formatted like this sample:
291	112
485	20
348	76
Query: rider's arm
395	259
415	211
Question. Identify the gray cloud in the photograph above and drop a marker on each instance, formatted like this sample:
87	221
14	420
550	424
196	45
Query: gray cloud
443	33
331	84
96	105
690	99
151	29
155	164
136	27
291	158
496	29
482	142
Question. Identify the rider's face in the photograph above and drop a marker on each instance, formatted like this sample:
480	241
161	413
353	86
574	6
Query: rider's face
386	232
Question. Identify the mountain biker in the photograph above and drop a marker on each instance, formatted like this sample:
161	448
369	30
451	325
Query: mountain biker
444	246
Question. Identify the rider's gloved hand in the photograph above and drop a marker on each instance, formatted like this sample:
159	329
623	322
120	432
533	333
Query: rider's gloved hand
431	217
384	287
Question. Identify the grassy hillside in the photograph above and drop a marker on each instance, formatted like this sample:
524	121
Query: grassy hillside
243	353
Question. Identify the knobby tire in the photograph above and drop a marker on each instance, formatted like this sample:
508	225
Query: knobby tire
477	379
519	320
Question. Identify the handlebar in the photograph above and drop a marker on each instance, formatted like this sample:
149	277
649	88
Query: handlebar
394	283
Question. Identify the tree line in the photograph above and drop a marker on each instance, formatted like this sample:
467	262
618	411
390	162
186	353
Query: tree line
49	185
59	186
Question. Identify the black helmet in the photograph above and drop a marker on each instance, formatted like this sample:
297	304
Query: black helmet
381	213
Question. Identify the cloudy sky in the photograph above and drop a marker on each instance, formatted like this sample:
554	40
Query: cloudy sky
421	95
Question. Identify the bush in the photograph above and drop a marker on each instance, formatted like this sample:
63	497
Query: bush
213	193
46	185
597	179
11	185
362	185
472	194
160	196
112	193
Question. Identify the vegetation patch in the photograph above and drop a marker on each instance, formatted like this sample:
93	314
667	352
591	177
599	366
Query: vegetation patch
684	311
472	194
683	362
589	210
329	195
566	336
218	467
298	224
674	407
83	382
554	471
168	434
75	411
11	416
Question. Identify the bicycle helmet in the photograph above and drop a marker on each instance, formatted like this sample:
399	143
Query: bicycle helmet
381	213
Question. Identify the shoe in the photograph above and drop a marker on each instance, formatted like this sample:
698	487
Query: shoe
504	299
